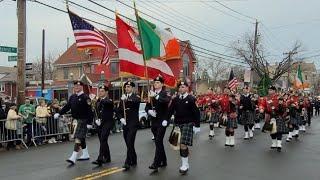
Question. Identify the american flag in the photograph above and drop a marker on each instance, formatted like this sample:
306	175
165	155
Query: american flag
87	36
233	83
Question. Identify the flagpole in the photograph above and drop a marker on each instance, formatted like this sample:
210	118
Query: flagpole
144	59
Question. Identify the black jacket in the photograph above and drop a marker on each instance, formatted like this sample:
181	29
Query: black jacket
185	110
132	105
80	107
104	109
161	106
247	103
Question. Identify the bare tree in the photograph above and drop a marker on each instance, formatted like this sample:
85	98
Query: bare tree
48	68
215	68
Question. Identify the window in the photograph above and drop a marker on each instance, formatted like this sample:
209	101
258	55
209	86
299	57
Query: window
80	71
2	87
65	73
306	77
186	60
114	68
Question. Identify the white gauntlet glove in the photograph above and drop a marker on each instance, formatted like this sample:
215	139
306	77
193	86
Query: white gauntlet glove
98	122
164	123
196	129
123	121
152	94
152	113
123	97
56	116
89	126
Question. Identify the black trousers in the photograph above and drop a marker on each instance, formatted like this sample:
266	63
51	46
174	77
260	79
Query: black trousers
160	154
317	111
277	136
129	135
103	134
28	131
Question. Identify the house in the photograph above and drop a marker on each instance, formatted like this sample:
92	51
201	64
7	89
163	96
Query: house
73	64
8	79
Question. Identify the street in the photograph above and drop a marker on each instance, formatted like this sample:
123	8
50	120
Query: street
248	160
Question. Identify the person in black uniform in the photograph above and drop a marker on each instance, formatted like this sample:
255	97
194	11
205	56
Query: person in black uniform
80	106
187	117
105	123
247	107
158	109
130	103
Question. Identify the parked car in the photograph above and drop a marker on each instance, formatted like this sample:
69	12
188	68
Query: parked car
143	116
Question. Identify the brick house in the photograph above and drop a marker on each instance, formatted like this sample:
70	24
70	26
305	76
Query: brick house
8	78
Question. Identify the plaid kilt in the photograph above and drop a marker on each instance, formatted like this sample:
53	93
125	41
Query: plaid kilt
215	117
247	117
258	117
294	121
281	126
231	123
81	129
186	134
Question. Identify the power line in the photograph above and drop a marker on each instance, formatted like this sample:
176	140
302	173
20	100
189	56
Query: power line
235	11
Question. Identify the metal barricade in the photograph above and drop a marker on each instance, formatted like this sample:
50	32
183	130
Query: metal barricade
7	135
43	128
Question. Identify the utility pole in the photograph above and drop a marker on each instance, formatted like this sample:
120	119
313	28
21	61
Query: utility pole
255	42
43	63
21	62
290	53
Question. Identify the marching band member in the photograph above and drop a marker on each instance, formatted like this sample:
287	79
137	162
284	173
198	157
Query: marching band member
247	107
158	108
80	106
128	113
187	117
105	123
230	121
281	128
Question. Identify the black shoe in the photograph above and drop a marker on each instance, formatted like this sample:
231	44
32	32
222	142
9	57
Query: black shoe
134	164
106	161
153	167
226	145
183	172
211	137
71	162
279	149
97	162
126	167
273	147
163	164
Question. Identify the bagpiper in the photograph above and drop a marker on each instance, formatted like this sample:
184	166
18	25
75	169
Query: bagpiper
80	105
187	117
105	122
230	121
158	108
247	107
128	113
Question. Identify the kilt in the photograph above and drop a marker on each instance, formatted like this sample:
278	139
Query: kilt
186	134
258	117
214	117
281	126
247	118
81	129
294	121
231	123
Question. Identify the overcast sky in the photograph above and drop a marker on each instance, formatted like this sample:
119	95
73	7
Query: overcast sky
281	23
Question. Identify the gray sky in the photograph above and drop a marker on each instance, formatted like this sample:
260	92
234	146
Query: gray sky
282	22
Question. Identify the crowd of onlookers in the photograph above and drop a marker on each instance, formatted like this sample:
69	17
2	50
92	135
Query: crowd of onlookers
34	123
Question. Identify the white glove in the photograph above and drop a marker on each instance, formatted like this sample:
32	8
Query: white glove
157	97
164	123
152	94
152	113
89	126
98	122
196	129
123	121
123	97
56	116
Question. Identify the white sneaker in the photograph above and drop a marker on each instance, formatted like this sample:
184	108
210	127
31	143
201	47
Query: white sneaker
289	137
85	155
250	134
274	144
185	165
279	146
72	158
246	135
211	133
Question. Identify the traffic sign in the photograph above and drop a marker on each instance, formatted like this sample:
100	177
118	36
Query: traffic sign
12	58
28	66
8	49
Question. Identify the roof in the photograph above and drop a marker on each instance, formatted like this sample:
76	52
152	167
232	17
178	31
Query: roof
8	73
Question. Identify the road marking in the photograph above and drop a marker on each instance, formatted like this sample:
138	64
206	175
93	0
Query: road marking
99	174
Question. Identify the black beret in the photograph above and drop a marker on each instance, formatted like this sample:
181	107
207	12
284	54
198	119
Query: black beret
129	83
183	83
103	87
12	104
159	78
78	82
210	88
273	88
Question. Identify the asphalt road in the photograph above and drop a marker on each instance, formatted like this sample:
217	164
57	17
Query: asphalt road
248	160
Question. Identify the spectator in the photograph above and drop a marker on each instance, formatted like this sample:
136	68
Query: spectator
2	117
12	125
42	114
317	106
27	111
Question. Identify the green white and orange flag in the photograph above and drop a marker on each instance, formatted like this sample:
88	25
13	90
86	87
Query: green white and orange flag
157	43
299	78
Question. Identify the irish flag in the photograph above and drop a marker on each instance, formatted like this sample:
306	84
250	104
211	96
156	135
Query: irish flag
299	78
156	42
131	58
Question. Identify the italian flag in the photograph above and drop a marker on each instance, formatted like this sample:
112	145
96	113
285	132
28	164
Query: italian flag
131	58
156	42
299	78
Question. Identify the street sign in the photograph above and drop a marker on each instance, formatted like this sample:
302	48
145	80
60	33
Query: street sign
8	49
28	66
12	58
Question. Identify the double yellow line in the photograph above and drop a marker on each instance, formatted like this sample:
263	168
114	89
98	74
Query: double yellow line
99	174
